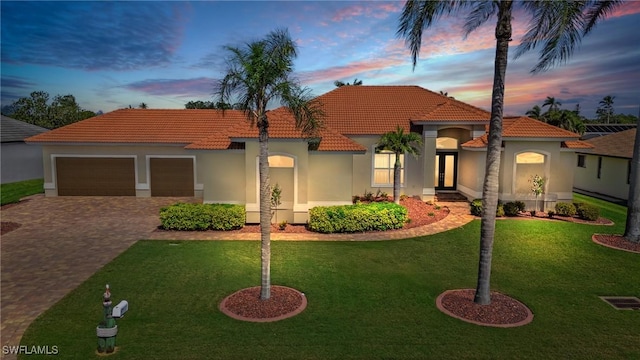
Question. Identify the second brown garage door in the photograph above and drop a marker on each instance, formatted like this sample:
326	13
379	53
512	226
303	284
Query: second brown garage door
171	176
85	176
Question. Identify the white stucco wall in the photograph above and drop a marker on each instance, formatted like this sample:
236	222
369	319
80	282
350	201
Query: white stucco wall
613	176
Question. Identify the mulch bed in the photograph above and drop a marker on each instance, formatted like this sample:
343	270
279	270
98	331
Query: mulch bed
503	311
417	210
573	219
616	242
246	305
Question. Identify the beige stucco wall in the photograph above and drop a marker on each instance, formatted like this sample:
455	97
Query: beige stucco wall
139	153
222	174
330	178
613	177
471	165
293	212
557	170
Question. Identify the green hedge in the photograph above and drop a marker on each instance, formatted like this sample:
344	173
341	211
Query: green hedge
565	209
189	217
357	218
587	211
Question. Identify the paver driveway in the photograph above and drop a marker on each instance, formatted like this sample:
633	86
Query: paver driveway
61	243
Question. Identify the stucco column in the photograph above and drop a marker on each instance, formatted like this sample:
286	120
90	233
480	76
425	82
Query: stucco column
429	135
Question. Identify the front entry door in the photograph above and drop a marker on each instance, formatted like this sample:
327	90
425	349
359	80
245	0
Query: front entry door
446	170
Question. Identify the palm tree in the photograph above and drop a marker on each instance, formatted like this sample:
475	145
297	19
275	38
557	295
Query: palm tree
339	83
535	112
399	143
258	73
552	103
143	106
632	227
605	110
556	25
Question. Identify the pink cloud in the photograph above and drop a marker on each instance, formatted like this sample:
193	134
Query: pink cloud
349	70
371	9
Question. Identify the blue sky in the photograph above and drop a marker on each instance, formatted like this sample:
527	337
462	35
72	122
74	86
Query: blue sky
110	55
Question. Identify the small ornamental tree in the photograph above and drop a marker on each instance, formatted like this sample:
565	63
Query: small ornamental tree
276	196
537	187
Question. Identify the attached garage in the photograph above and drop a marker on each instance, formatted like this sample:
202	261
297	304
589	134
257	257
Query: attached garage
87	176
171	176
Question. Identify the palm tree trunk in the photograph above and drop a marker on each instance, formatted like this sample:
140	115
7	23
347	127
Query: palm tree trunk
396	180
632	228
491	179
265	209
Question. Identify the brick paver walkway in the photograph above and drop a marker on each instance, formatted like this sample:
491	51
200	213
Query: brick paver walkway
64	240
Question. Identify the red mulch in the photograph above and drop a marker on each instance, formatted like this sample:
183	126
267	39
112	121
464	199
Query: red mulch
502	311
574	219
418	211
8	226
246	303
617	241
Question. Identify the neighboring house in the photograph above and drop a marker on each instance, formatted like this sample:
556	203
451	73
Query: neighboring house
214	155
19	160
594	130
606	169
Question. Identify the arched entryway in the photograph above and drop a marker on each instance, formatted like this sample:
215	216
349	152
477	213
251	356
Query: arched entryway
282	173
528	165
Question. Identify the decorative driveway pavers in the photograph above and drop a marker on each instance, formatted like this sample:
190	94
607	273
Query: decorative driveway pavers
65	240
61	243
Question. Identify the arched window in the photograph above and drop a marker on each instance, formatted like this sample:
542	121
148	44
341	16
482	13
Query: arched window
448	143
280	161
529	158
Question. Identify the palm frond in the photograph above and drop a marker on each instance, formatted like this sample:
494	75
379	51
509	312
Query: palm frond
597	12
482	11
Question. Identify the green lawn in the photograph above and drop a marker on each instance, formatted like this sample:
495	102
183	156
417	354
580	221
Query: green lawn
366	300
13	192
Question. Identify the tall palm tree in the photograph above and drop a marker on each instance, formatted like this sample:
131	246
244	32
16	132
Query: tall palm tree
605	110
632	227
399	143
552	103
535	112
556	25
257	74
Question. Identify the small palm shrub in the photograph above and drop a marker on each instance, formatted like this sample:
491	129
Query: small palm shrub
588	212
376	216
511	208
565	209
476	208
190	217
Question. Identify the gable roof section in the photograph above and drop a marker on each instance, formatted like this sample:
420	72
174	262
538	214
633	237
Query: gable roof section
12	130
375	110
523	127
202	129
618	144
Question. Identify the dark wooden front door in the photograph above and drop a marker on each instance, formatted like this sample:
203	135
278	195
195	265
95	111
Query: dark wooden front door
446	174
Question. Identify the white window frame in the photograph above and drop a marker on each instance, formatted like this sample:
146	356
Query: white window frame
392	160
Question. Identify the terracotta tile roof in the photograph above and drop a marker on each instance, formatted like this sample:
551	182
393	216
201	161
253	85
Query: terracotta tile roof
194	129
375	110
618	144
526	127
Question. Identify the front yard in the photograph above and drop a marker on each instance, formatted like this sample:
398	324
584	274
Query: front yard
366	300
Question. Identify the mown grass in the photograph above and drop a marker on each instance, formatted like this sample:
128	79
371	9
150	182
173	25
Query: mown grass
13	192
366	300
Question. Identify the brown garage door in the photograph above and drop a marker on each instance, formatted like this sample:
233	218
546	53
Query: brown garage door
171	176
96	176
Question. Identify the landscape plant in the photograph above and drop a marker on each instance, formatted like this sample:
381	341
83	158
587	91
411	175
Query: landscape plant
276	195
556	27
375	216
259	73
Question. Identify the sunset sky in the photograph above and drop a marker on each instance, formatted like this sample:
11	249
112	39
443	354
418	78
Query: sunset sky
110	55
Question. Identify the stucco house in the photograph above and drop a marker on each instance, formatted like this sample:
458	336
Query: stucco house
606	168
214	155
19	160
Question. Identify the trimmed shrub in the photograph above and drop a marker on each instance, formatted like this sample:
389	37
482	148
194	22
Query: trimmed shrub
521	205
190	217
565	209
476	208
588	212
357	218
511	208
